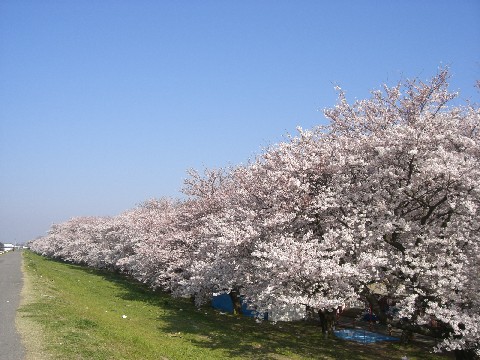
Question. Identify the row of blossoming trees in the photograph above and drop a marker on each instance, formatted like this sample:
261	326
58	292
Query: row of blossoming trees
387	193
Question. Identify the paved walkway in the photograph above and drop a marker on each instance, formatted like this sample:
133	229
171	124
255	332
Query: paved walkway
11	281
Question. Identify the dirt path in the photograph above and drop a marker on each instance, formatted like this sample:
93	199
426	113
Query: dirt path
11	283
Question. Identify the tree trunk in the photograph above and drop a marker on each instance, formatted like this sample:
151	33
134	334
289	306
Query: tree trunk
376	308
327	320
237	302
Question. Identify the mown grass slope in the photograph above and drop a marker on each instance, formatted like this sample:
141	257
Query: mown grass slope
91	314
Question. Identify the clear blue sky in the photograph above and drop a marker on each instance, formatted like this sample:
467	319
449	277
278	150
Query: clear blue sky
104	104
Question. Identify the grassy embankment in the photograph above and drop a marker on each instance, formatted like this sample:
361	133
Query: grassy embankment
72	312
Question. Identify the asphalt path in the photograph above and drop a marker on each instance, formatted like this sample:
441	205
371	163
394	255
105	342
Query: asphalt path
11	282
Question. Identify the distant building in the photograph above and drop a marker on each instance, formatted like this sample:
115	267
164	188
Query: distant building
1	246
8	247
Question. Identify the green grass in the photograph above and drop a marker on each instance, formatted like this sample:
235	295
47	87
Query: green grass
79	311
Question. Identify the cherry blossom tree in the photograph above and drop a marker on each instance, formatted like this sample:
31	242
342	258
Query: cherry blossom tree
159	254
209	269
413	172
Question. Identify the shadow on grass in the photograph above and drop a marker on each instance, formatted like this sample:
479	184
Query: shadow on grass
244	337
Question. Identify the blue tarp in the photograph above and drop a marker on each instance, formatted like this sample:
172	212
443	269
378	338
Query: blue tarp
223	302
246	311
251	312
363	336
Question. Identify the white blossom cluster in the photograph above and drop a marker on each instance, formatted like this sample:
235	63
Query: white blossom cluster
388	193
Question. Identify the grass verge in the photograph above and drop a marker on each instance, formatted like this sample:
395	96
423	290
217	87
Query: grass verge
72	312
30	330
